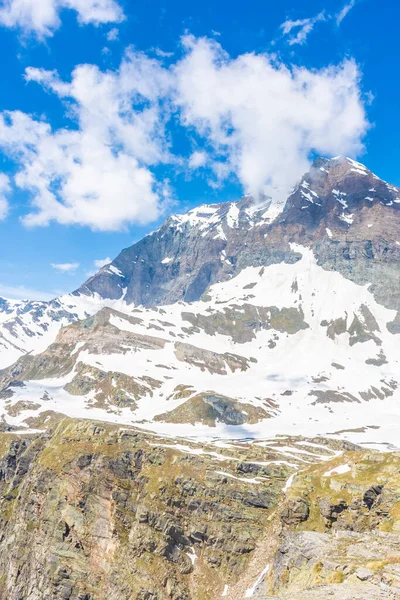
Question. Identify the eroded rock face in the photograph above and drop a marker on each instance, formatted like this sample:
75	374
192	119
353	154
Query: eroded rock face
91	511
295	511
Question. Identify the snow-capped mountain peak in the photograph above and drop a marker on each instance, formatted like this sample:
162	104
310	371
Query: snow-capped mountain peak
247	313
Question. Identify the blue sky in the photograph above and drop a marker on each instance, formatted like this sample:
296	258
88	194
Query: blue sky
117	114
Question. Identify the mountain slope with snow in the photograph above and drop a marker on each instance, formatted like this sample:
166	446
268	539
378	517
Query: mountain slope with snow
347	215
287	348
233	320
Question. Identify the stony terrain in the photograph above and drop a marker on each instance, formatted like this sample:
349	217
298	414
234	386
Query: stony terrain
339	535
95	511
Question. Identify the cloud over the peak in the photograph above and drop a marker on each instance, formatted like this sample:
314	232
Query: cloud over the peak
102	262
41	17
260	119
252	118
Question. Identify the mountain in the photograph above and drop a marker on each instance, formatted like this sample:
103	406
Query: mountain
347	215
232	320
205	417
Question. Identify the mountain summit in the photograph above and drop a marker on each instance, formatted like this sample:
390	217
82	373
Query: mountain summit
338	205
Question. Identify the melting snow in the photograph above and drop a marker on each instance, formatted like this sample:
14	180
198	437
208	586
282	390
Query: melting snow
246	479
192	555
288	484
340	470
232	218
284	367
114	270
346	218
225	592
250	592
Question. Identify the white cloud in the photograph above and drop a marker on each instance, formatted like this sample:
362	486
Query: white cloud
197	159
251	117
5	189
301	28
21	292
42	16
66	267
112	35
102	262
260	119
97	174
162	53
345	11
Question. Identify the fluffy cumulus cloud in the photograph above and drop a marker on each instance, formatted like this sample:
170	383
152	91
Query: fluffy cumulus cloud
252	118
299	29
112	35
66	267
96	174
260	119
42	16
197	159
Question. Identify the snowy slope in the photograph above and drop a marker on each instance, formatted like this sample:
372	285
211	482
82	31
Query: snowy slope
294	348
233	320
31	326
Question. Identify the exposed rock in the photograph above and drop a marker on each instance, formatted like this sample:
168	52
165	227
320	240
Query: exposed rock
295	511
210	408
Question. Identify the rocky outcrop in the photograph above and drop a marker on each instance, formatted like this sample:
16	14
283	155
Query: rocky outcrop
211	408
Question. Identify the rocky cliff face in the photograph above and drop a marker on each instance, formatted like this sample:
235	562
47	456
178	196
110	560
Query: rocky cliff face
92	511
339	534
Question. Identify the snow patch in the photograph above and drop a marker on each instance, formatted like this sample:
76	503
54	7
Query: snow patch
250	592
340	470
